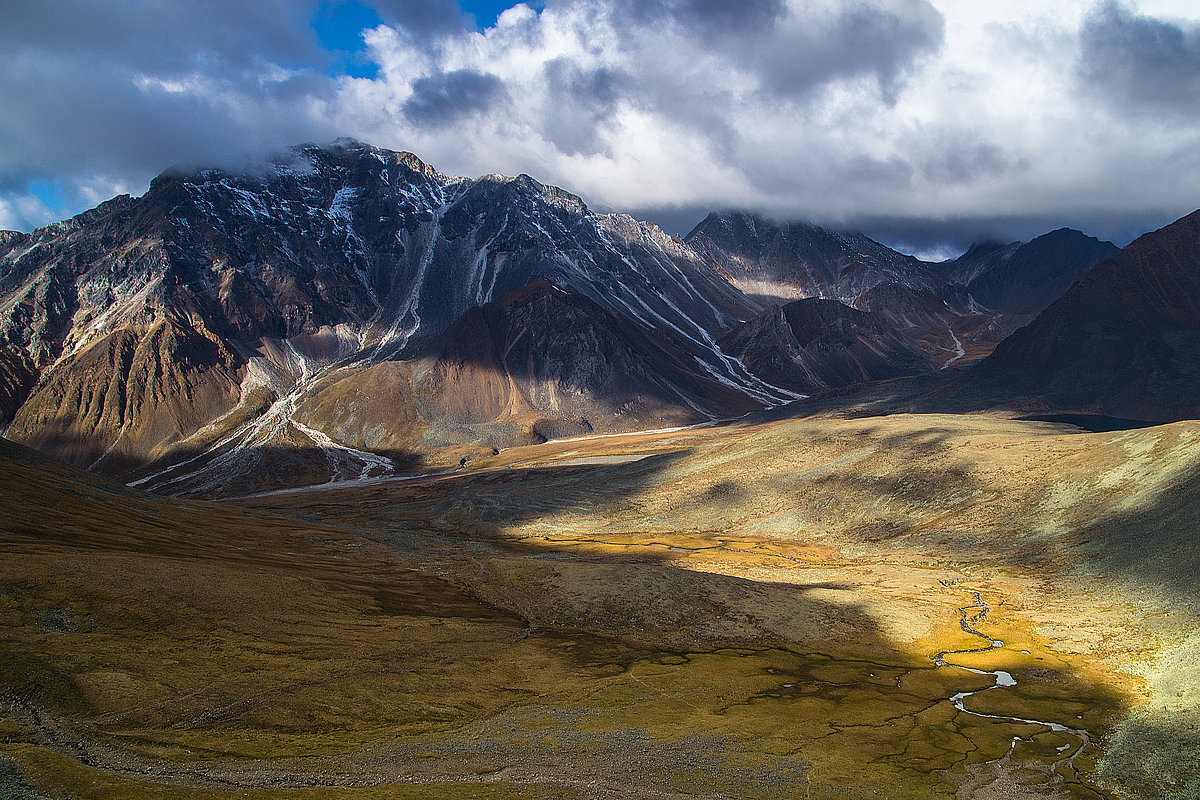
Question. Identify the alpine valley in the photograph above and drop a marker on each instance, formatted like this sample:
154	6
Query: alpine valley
336	476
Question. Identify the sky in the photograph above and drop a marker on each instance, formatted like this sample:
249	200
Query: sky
927	124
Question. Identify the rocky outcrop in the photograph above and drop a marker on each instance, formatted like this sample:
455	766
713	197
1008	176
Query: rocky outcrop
814	345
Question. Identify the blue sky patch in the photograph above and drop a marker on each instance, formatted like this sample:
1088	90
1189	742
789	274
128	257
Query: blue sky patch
339	28
50	193
486	11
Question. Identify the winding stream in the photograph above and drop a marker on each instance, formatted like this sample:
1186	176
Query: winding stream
967	621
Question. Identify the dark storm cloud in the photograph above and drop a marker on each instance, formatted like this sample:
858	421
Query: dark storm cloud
794	52
123	89
165	37
956	161
582	102
682	53
447	97
678	221
859	40
713	19
1140	60
77	116
802	107
941	160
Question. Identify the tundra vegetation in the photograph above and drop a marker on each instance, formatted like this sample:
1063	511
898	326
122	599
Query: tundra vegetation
904	606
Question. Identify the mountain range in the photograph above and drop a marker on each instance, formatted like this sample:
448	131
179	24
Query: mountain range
347	312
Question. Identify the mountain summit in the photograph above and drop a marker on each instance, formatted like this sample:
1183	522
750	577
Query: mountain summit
196	317
1124	339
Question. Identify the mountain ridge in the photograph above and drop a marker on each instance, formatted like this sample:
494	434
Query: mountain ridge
1122	338
1007	278
222	301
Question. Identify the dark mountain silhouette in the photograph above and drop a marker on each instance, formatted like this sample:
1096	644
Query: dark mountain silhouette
1124	340
1024	278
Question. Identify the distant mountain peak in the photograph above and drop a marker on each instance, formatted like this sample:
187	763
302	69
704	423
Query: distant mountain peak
1124	337
790	260
984	246
1025	277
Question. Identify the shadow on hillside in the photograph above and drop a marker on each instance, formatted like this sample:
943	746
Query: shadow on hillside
594	362
1153	544
707	489
645	599
1152	756
1092	423
467	607
947	391
482	502
1156	545
963	390
224	473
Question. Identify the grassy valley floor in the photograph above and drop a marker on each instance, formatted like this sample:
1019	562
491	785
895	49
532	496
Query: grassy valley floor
748	610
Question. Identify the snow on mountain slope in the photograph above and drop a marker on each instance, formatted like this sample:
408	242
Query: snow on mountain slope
316	261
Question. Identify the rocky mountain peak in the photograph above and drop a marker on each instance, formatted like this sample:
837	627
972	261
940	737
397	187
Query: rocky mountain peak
1124	337
985	247
1025	277
781	261
529	192
11	239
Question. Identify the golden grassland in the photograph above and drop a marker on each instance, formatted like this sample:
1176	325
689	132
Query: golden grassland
749	610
